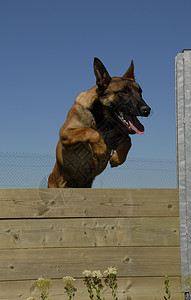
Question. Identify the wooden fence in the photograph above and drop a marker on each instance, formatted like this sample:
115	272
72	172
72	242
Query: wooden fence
58	232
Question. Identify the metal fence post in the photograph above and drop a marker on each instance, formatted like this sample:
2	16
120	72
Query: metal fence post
183	125
187	296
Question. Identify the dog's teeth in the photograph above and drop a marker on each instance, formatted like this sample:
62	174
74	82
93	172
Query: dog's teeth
127	124
121	117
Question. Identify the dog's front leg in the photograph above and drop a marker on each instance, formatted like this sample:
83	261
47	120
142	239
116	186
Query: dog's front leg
83	135
120	153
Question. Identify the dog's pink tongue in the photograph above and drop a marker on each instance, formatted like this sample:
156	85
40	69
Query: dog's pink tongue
136	125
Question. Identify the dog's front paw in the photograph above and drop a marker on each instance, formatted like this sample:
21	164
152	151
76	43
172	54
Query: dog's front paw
114	160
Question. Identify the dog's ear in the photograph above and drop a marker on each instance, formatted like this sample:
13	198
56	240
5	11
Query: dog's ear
102	76
130	72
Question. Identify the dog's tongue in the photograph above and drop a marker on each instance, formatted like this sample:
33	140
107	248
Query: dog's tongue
135	124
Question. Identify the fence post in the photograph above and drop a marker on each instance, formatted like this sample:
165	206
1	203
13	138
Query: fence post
183	126
187	296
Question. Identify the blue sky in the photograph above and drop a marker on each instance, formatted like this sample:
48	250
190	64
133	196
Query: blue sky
46	58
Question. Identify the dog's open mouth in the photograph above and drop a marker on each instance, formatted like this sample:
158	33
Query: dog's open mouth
131	122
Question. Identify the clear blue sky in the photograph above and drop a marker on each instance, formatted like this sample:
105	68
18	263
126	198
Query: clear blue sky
46	58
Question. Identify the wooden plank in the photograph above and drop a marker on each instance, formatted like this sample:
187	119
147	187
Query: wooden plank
134	288
39	233
54	263
45	203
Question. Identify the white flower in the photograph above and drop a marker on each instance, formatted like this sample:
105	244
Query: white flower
97	274
110	271
69	279
40	279
30	298
42	283
87	273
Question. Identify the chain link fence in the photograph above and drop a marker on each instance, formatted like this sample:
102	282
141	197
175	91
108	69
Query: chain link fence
24	170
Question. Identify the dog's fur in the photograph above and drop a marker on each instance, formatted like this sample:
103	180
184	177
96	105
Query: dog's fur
97	129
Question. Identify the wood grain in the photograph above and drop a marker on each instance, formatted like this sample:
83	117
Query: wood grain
57	262
46	203
40	233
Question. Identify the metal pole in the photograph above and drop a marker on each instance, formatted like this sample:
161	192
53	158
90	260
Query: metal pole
183	123
187	296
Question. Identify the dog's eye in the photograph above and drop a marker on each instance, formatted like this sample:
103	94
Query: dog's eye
124	91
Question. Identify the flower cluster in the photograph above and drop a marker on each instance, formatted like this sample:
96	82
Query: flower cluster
87	273
43	285
93	281
111	280
88	282
110	271
96	274
68	279
69	287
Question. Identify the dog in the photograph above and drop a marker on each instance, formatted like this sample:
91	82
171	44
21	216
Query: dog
97	129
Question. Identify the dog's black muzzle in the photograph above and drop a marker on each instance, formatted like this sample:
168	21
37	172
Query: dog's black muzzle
145	111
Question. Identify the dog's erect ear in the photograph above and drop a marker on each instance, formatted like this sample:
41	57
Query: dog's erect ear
102	76
130	72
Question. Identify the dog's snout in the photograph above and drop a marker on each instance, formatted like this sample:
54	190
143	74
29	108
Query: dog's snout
145	110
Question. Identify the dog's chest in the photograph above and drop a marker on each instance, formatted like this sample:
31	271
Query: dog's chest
111	136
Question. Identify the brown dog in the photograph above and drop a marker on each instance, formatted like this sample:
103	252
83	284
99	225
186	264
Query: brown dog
97	129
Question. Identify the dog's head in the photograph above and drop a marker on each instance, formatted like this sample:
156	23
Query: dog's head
122	96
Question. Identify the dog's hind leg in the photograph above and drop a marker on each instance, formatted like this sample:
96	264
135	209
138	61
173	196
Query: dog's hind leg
120	153
55	179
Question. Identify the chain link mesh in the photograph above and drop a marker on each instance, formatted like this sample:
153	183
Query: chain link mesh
25	170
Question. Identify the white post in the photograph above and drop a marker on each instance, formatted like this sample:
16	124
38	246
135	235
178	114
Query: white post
183	125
